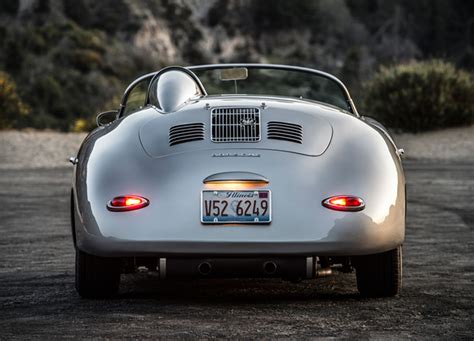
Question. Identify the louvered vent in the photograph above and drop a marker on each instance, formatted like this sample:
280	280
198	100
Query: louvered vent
235	125
285	131
186	133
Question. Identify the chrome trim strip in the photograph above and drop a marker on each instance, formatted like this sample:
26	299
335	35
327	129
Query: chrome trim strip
235	176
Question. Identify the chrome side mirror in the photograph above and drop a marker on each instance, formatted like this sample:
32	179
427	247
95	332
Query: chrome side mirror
400	152
106	117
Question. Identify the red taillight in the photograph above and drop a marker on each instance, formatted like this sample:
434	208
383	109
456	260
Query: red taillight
127	203
344	203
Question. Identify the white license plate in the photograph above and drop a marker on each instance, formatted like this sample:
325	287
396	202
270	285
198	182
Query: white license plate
220	207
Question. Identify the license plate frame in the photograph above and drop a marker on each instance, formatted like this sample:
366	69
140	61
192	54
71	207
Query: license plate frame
236	219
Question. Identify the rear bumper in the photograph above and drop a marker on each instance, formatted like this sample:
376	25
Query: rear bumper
111	247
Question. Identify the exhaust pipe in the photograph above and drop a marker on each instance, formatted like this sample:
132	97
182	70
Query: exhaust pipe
322	268
204	268
269	268
260	267
323	272
162	267
314	268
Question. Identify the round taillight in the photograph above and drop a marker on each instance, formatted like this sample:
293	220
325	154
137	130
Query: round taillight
344	203
127	203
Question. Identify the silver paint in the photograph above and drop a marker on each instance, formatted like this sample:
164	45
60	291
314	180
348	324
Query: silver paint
342	153
174	89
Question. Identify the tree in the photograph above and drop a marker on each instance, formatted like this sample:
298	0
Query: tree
12	110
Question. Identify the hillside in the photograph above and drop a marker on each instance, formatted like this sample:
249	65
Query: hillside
70	59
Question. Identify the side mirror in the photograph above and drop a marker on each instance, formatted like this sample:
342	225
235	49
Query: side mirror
106	117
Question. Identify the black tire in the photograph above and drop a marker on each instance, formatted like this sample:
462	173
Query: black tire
96	277
379	275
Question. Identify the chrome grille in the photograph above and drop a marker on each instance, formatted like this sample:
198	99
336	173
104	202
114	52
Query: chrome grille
186	133
285	131
235	125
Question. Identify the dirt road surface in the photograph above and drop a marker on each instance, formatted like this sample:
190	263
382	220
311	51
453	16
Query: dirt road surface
38	300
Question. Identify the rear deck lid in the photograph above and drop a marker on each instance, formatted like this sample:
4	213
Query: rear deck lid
221	128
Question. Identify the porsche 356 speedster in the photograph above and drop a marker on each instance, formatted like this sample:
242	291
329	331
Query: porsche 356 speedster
238	171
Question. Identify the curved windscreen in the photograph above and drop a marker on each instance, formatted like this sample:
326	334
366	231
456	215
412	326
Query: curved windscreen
273	82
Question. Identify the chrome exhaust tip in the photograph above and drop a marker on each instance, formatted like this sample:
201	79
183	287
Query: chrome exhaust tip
323	272
204	268
269	268
162	267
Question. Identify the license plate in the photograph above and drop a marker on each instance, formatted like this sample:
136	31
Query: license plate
250	207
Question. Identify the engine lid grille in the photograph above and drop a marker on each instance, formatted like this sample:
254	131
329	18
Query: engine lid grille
235	125
186	133
285	131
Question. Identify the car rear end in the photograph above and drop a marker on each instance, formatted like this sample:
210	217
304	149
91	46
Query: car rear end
240	187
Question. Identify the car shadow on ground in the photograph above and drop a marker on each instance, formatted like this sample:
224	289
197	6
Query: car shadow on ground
246	291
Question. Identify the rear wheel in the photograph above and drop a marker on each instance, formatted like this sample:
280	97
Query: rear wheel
379	275
96	277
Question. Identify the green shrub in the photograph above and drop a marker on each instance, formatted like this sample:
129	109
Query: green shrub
420	96
12	110
83	125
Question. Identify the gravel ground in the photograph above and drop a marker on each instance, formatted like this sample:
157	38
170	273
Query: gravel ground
38	300
37	149
456	144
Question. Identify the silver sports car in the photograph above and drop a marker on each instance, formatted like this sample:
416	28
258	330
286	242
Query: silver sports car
238	170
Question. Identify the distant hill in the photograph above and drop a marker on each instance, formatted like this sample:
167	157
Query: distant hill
72	58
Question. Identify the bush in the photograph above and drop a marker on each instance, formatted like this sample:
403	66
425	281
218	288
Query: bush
12	110
420	96
83	60
83	125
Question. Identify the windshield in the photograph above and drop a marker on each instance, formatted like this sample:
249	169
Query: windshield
275	82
